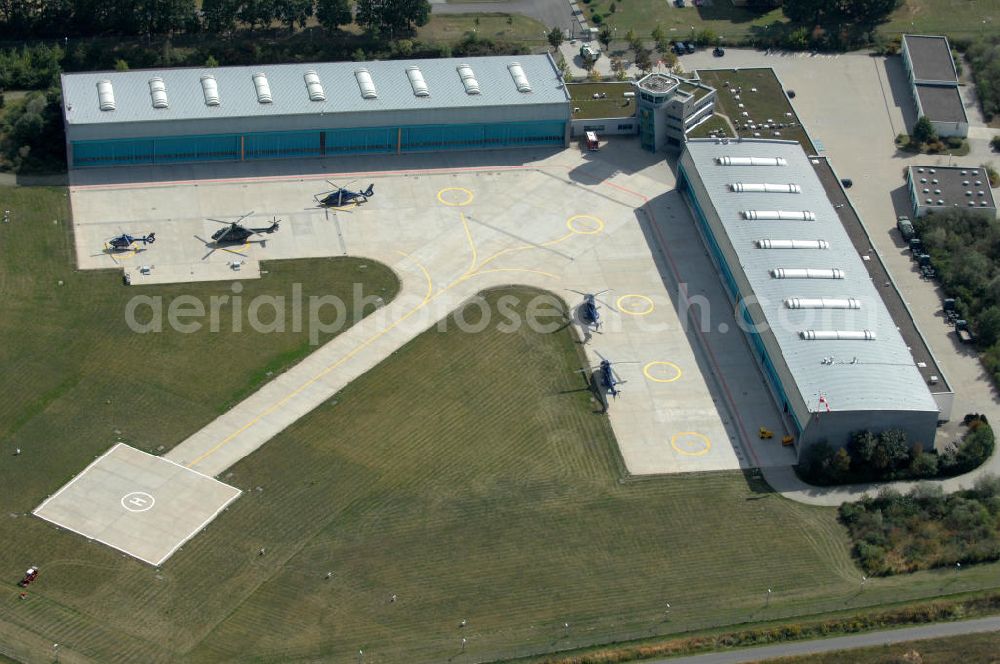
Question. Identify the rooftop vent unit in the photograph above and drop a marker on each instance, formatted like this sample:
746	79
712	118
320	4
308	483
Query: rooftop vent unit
751	161
837	335
792	244
263	88
520	80
365	83
822	303
807	273
468	79
780	215
158	91
314	87
983	204
417	82
740	187
106	95
210	87
931	170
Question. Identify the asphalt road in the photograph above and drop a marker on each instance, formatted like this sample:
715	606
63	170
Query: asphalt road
551	13
799	648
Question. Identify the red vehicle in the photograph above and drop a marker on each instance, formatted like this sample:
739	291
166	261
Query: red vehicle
29	576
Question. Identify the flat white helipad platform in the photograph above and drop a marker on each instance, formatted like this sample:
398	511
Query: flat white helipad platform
143	505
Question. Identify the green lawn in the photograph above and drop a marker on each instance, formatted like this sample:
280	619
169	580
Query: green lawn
452	27
957	18
614	106
769	102
968	649
472	475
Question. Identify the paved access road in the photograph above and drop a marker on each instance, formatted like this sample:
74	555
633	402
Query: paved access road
799	648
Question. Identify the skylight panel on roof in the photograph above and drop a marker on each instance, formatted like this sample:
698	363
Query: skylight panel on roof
792	244
751	161
740	187
837	335
822	303
263	88
210	88
520	80
806	273
468	79
417	81
365	83
158	91
780	215
314	87
106	95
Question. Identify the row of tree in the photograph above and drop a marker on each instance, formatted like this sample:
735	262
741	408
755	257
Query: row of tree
984	58
864	13
871	457
85	18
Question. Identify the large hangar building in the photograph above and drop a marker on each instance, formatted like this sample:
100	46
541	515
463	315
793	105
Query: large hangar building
828	347
313	110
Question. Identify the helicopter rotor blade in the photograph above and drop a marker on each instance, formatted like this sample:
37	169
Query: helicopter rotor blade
219	221
601	356
248	214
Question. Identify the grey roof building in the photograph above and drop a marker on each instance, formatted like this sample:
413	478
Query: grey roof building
826	343
483	102
934	83
940	188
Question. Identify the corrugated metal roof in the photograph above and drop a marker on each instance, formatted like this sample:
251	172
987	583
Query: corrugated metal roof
879	374
290	96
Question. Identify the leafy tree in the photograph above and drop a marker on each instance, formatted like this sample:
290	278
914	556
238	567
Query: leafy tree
658	34
643	60
867	13
121	65
840	464
892	452
605	36
988	326
211	62
220	15
555	38
923	130
257	13
924	465
389	18
995	143
332	14
291	12
864	445
808	12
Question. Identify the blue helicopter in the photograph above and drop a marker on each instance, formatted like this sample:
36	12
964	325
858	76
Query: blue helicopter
125	241
340	196
589	311
607	377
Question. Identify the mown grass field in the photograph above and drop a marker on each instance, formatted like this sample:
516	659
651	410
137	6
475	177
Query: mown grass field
469	474
769	102
967	649
956	18
508	27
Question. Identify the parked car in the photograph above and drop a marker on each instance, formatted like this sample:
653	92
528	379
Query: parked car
677	47
689	47
906	229
679	3
718	51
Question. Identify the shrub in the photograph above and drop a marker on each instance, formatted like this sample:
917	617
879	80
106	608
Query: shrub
596	18
995	143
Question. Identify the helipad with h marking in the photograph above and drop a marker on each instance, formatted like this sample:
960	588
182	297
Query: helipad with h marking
143	505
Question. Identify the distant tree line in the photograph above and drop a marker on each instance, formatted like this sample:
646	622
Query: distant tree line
984	58
888	455
965	250
89	18
896	533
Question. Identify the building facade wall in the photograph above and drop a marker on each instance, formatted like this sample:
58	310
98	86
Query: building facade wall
314	143
751	318
834	427
626	126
